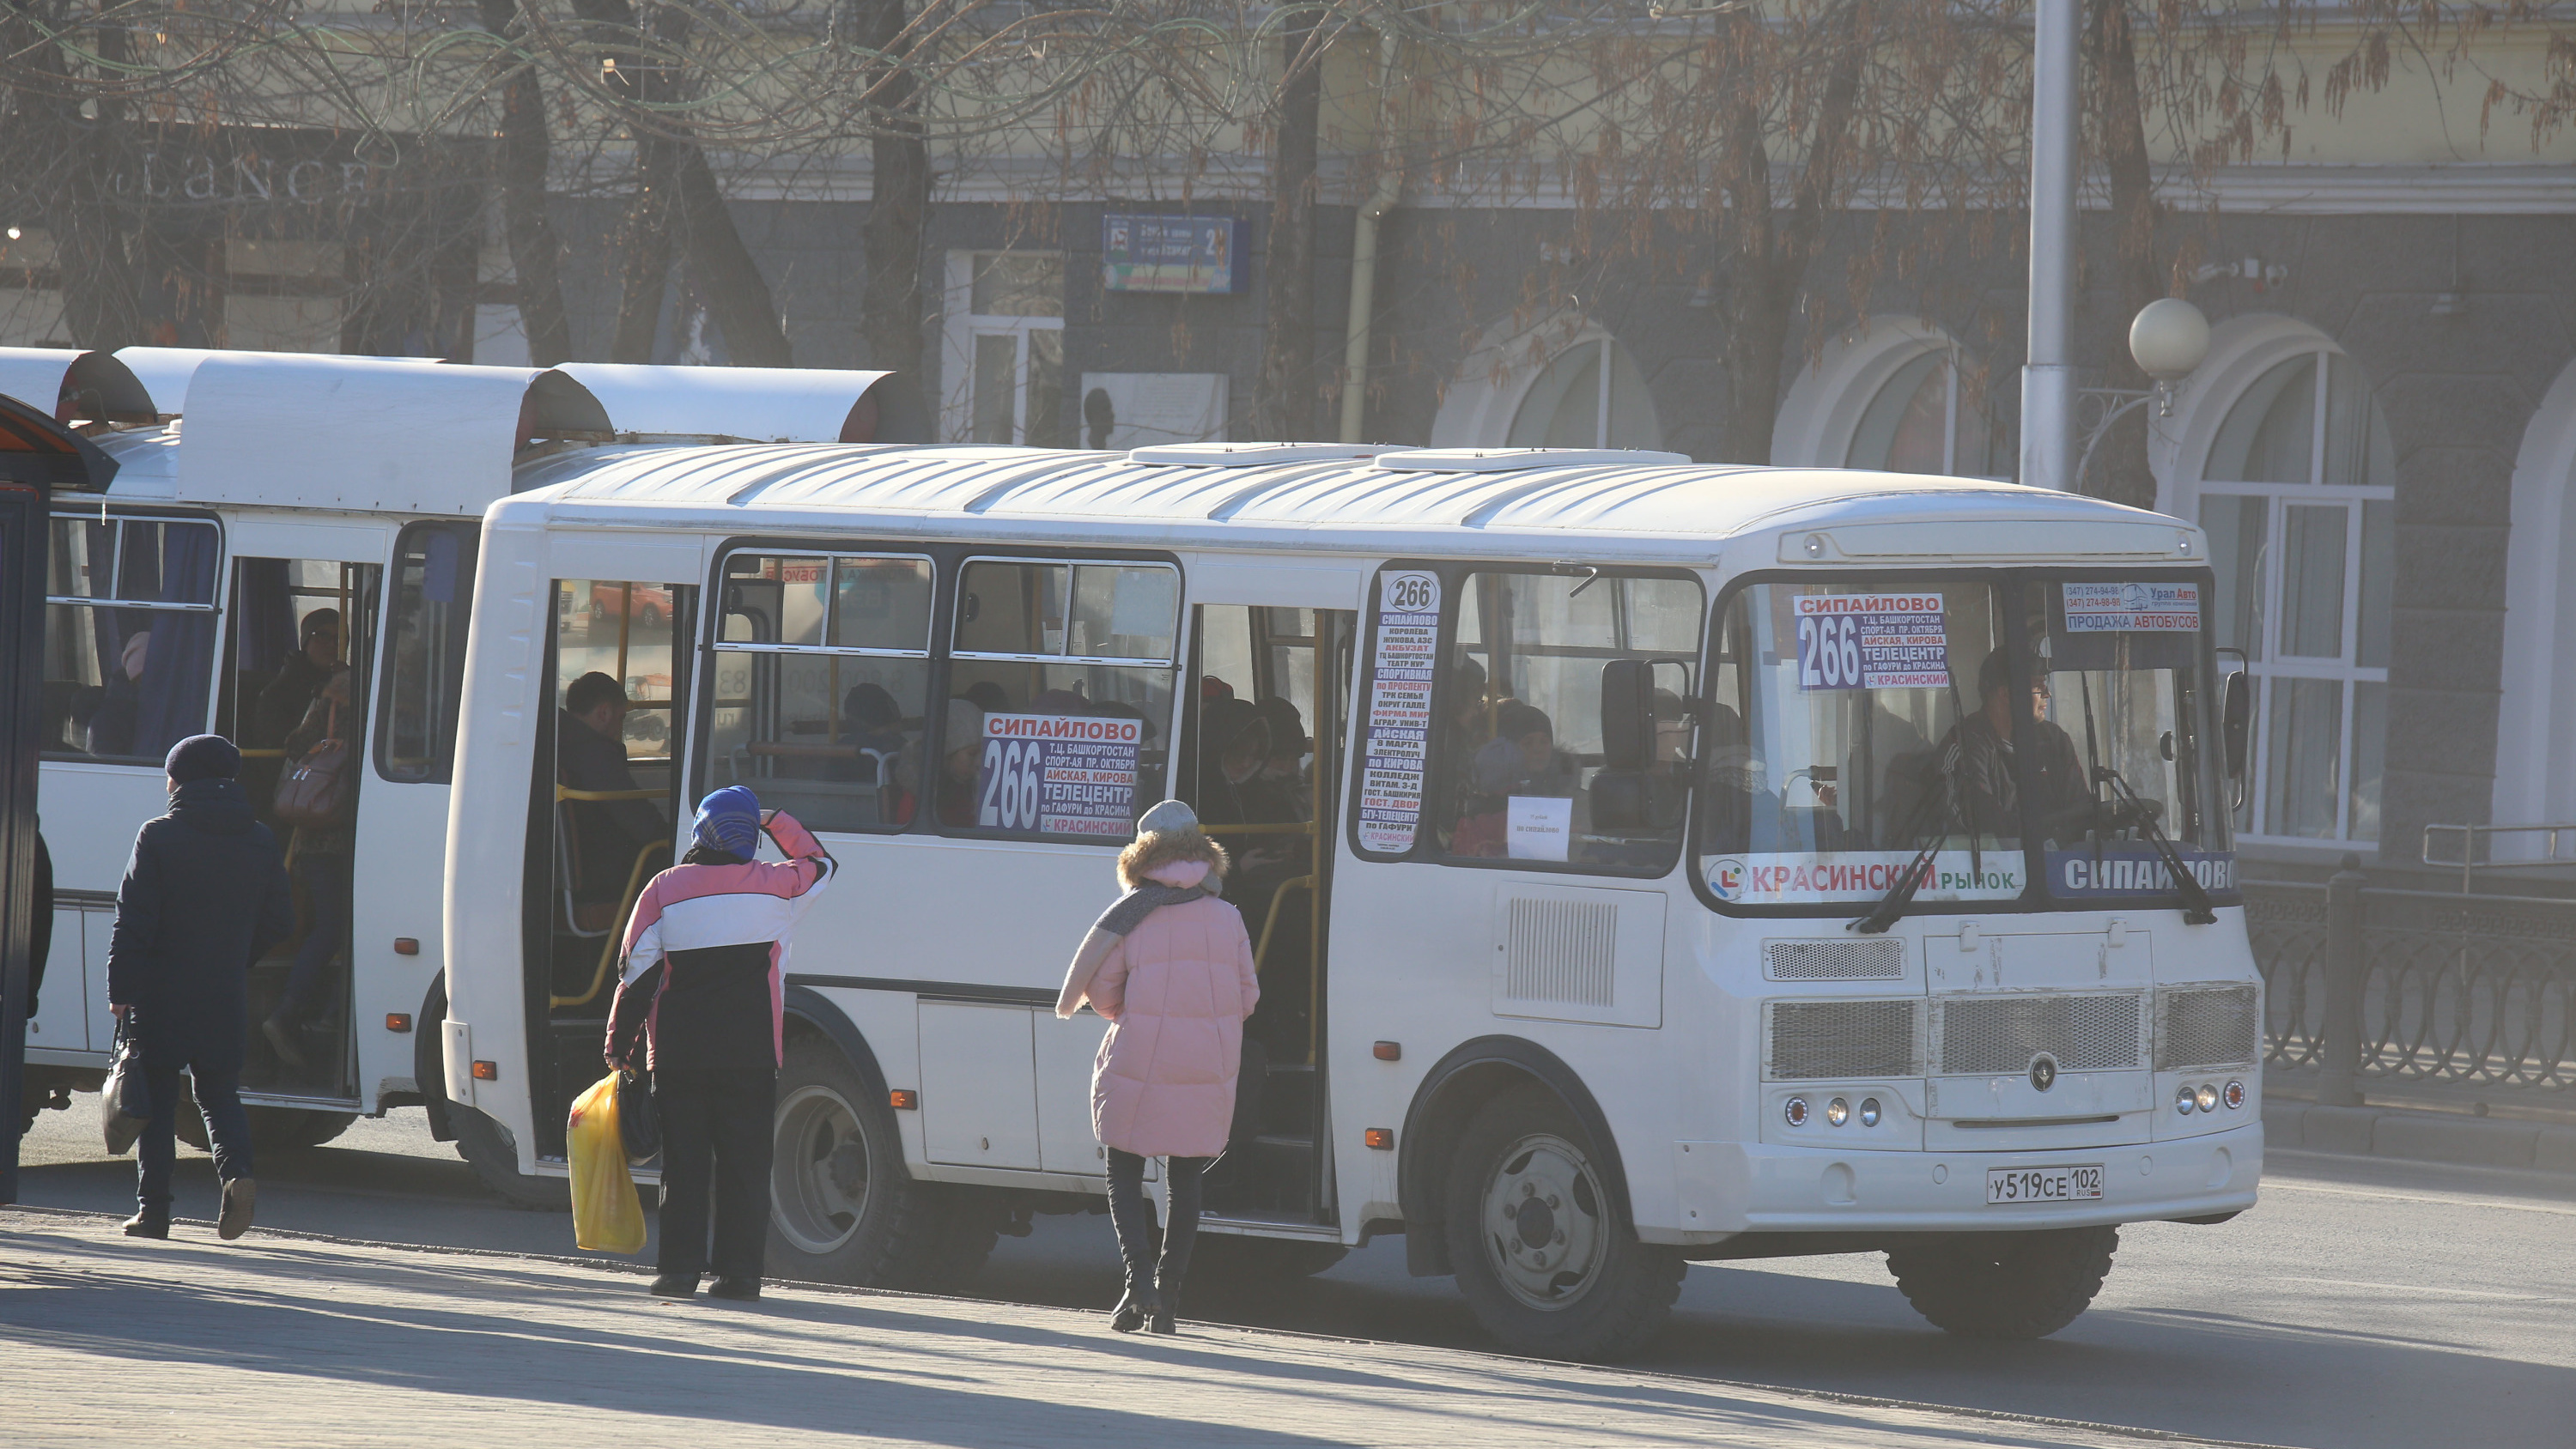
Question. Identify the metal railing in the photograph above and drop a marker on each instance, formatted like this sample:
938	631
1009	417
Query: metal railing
2415	986
2477	849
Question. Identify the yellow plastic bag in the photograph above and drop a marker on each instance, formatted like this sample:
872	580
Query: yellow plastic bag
607	1216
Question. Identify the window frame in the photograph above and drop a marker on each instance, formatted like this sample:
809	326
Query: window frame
1950	357
948	562
716	644
223	566
2036	896
2270	662
965	325
443	749
1439	779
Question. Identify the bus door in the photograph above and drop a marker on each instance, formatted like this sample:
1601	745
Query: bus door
1262	756
293	687
601	822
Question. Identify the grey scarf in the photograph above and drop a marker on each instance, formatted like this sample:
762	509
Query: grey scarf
1123	916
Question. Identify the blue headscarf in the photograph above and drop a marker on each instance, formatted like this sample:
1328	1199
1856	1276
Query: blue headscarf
729	819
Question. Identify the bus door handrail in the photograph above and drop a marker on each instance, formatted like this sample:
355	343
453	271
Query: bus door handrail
563	840
635	879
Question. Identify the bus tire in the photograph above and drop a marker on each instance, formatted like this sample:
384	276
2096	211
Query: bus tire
495	1157
843	1207
1234	1258
272	1129
2022	1285
1544	1255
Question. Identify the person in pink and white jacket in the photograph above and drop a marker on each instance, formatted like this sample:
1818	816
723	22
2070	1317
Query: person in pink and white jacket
701	999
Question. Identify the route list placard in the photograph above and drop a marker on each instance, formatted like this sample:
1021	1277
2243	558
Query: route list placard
1399	710
1872	641
1061	774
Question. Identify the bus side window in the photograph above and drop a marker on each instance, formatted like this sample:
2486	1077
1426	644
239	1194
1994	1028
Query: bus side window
129	636
425	668
822	673
1575	750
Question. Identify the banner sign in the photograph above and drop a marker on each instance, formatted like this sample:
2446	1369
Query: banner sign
2161	608
2132	870
1872	641
1397	736
1060	774
1171	253
1859	876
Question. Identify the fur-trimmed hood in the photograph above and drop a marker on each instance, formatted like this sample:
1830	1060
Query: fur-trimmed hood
1148	853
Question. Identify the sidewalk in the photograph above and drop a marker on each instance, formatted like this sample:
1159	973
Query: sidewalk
2424	1122
292	1339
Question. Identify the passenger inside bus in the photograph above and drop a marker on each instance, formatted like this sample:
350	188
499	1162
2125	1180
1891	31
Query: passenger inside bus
958	773
604	836
1285	790
1990	783
871	725
322	857
286	698
1521	760
1234	745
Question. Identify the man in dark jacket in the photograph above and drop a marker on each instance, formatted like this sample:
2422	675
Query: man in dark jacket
590	755
204	896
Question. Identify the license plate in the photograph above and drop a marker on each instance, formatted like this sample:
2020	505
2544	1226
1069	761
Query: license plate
2042	1184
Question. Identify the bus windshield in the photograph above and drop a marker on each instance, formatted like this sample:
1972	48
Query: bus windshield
2027	737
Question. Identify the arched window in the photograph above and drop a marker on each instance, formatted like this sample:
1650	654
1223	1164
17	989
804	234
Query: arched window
1591	395
1925	419
2298	489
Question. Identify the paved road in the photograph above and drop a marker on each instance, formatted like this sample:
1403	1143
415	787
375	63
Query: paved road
2366	1303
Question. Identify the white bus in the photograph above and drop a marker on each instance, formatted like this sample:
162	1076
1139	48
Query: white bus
253	493
1649	863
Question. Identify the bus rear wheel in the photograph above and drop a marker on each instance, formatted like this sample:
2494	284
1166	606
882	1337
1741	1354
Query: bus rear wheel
843	1208
2005	1285
1543	1253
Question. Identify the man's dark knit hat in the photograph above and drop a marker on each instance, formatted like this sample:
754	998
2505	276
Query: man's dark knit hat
202	757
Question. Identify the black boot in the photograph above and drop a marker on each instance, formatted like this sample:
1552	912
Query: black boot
675	1285
1130	1313
1167	1303
147	1223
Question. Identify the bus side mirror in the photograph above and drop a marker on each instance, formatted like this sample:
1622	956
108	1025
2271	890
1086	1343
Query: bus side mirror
2236	722
1627	715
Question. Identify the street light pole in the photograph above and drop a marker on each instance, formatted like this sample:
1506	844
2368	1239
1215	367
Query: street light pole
2048	373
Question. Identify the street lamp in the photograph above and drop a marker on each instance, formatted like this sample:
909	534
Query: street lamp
2167	339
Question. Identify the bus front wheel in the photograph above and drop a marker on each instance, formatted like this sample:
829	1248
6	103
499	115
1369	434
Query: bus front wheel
843	1208
2005	1285
1543	1253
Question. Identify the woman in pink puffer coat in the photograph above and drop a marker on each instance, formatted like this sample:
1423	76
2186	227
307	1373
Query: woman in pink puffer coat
1170	966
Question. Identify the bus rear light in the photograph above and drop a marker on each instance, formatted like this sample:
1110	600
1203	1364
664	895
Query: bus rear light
487	1071
1381	1138
904	1099
1794	1111
397	1021
2235	1096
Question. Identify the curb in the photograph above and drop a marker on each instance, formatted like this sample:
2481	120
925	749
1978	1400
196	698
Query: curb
2420	1136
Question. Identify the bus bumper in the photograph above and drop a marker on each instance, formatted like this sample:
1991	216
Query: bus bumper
1740	1187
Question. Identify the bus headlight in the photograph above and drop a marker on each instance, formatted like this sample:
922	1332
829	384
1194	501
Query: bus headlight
1837	1112
2235	1096
2183	1099
2207	1101
1795	1111
1869	1111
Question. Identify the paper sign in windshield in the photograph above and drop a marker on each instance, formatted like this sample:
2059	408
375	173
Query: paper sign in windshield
1398	733
1060	774
1538	827
1872	641
2156	608
1852	876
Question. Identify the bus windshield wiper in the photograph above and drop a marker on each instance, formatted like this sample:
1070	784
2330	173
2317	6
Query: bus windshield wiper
2197	909
1892	905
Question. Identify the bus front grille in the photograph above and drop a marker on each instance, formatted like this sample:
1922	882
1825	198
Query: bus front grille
1993	1035
2206	1026
1876	958
1823	1040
